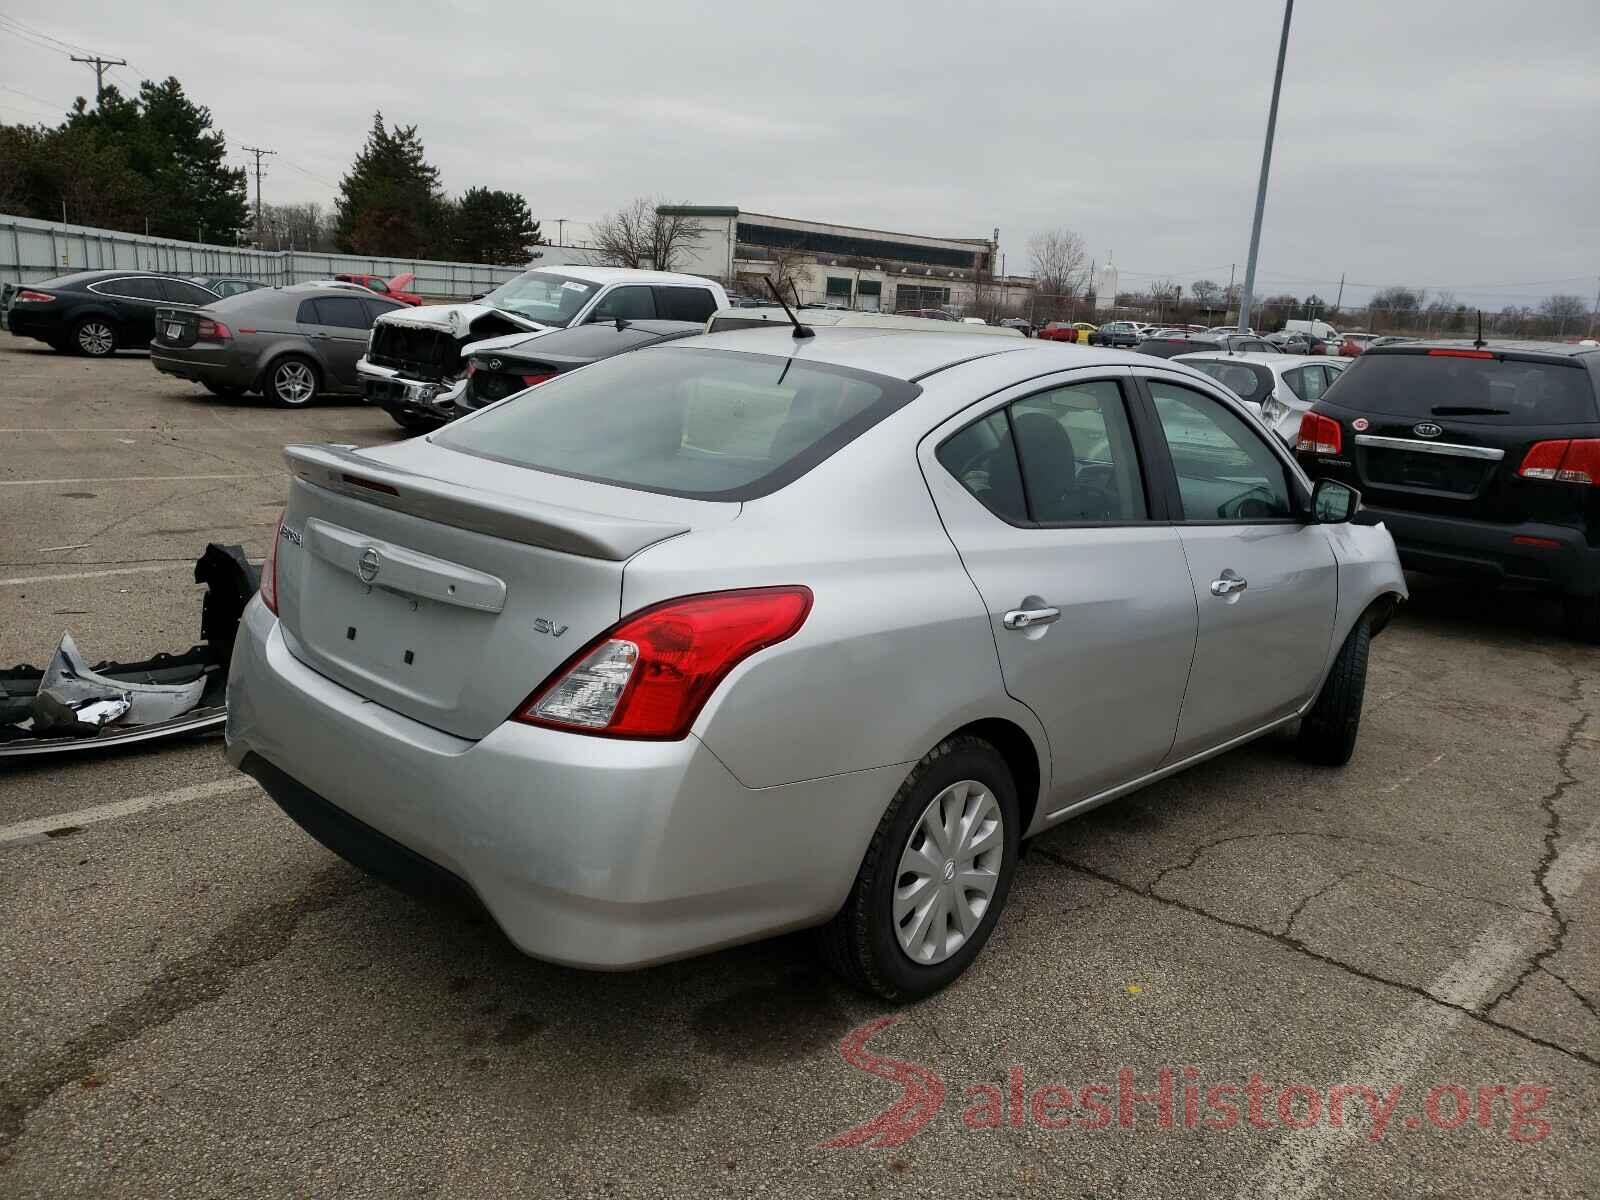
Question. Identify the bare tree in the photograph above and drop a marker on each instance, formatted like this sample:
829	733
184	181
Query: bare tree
1206	292
787	262
640	235
1059	261
1563	311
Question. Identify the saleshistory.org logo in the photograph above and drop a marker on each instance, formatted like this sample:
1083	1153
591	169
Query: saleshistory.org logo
1178	1097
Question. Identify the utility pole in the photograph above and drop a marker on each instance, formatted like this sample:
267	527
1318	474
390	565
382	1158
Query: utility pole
1266	167
1339	303
1595	311
561	231
258	153
100	64
1232	267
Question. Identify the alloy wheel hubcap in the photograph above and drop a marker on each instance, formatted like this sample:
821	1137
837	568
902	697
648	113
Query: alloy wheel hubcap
948	872
95	338
295	383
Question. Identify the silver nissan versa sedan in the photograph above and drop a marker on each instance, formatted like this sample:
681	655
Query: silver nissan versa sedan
760	631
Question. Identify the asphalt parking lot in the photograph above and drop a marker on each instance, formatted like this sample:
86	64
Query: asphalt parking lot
199	999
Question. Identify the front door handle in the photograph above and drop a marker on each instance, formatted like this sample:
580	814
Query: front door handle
1230	583
1027	618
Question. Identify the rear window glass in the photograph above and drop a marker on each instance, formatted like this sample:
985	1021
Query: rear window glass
1478	390
706	424
1239	378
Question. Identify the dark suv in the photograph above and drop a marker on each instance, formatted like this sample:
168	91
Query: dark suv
1483	461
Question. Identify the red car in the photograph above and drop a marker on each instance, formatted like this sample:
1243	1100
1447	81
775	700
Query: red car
1354	343
1060	331
392	288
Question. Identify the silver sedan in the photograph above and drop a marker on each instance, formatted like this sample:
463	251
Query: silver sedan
758	632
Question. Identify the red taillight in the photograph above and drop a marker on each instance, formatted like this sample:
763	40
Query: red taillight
27	296
535	380
212	331
1460	353
651	674
1575	460
1523	539
269	569
1319	435
472	368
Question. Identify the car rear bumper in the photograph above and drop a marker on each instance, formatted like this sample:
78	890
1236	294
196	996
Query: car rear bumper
594	852
34	325
221	366
1550	557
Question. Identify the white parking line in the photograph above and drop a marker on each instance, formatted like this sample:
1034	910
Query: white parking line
26	830
175	565
140	479
1302	1163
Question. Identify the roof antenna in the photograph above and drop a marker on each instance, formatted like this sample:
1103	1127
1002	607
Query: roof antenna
1479	342
800	331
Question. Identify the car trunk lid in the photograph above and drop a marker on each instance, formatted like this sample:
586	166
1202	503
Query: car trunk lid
447	587
178	327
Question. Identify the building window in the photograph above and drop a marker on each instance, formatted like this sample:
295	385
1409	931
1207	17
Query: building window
869	287
908	295
812	242
838	291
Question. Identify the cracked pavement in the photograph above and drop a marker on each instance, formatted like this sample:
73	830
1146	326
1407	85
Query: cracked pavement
200	1000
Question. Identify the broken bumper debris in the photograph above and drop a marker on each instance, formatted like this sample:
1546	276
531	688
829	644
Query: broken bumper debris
70	706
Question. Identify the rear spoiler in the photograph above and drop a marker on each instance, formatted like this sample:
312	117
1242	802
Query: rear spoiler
532	523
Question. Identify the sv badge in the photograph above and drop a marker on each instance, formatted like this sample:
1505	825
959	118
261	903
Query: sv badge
545	625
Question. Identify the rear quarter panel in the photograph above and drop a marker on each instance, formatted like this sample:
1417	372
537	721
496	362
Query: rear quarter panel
896	652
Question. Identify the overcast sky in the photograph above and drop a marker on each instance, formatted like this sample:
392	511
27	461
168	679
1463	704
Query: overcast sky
1423	142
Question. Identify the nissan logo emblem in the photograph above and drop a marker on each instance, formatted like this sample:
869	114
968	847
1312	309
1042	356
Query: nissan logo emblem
1426	429
368	565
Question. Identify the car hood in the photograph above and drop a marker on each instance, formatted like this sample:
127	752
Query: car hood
505	341
456	318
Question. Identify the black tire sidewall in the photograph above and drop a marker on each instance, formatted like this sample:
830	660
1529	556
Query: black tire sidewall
913	980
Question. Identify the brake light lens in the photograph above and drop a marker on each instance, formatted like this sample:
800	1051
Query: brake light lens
651	674
1319	435
269	568
1564	460
1460	353
213	331
535	380
28	296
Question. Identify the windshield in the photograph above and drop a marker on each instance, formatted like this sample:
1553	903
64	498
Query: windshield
1486	390
542	296
1242	379
705	424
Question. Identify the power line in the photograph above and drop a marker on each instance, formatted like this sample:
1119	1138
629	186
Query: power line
8	19
29	95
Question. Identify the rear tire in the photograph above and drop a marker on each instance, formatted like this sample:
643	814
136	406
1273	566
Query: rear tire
292	381
227	391
864	943
1583	618
94	337
1328	731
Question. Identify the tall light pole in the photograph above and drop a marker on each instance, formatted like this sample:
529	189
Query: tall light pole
1266	167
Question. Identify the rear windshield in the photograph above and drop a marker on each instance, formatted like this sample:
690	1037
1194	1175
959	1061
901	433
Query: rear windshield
1479	390
1244	380
705	424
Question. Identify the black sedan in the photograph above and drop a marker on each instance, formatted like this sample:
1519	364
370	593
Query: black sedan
97	312
505	366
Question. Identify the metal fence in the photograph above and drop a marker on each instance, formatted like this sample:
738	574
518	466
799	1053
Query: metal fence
32	250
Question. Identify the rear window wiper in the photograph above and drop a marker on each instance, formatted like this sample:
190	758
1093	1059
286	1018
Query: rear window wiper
1467	410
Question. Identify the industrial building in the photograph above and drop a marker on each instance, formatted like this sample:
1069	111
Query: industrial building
848	266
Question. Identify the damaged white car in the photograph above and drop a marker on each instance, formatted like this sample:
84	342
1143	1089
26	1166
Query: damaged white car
416	366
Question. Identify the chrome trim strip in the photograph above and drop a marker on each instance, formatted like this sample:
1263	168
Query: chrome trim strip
1450	449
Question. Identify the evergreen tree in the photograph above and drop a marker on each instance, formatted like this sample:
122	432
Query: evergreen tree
390	202
491	226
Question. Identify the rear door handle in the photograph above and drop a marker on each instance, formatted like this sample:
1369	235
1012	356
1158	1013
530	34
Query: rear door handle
1027	618
1229	583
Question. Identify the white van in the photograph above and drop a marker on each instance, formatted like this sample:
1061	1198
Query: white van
1319	329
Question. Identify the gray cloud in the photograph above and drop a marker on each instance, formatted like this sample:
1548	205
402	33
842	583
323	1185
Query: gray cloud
1422	142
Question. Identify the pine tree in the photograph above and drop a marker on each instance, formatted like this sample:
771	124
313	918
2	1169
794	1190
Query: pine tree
491	226
390	202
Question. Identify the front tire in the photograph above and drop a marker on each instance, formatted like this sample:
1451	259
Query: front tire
935	876
1328	731
292	382
94	337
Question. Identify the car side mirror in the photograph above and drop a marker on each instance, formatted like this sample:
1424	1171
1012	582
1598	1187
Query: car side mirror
1333	503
